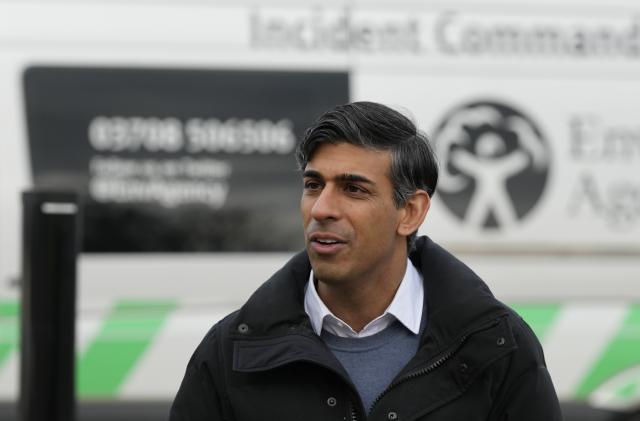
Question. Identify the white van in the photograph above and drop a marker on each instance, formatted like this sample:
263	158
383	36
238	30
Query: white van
178	121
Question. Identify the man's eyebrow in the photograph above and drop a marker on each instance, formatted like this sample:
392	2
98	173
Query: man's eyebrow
346	177
354	178
311	174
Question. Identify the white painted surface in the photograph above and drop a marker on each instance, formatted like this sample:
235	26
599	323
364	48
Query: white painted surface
577	339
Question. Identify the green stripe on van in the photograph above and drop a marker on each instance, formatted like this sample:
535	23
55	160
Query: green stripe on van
125	335
623	352
9	320
539	316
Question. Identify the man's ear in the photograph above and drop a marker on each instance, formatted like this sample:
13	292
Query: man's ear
415	210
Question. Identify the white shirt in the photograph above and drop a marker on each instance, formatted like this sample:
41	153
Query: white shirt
406	307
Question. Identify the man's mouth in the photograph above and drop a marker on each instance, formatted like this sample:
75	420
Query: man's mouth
323	241
326	243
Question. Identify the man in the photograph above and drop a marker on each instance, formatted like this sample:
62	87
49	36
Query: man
368	322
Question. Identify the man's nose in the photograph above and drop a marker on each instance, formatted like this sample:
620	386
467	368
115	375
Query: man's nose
326	205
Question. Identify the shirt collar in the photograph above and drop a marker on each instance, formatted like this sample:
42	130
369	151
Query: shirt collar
406	307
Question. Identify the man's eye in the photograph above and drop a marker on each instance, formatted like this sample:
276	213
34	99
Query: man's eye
354	188
312	185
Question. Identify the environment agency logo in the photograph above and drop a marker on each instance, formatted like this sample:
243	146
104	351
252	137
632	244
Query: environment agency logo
494	164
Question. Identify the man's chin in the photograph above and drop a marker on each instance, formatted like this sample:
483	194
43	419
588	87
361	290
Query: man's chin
327	272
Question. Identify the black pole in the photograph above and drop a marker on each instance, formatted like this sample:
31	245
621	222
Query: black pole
51	239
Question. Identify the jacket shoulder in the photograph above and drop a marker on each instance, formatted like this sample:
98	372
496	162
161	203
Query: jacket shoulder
527	392
201	395
526	340
209	347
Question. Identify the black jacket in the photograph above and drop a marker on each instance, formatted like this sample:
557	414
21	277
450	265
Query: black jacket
477	359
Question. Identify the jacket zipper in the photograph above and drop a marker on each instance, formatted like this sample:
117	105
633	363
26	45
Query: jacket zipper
424	371
352	411
431	367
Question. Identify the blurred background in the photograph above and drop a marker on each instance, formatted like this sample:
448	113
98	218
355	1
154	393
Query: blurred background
177	123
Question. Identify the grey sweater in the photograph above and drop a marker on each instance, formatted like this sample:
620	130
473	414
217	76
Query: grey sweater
373	362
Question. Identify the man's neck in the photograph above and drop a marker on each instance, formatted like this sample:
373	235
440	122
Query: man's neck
360	301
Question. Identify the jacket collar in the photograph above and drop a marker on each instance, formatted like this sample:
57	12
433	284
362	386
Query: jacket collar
278	305
458	301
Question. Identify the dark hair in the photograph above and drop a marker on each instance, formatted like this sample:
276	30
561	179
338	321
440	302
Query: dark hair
376	126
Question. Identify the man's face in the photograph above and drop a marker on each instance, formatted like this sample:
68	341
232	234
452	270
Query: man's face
349	215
